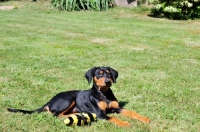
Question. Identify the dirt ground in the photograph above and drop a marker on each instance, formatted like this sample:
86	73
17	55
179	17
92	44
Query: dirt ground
6	7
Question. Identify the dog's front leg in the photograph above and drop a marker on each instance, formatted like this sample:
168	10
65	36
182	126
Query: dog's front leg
114	105
119	122
102	115
134	115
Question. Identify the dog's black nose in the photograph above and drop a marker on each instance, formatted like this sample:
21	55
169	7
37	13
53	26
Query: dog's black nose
107	81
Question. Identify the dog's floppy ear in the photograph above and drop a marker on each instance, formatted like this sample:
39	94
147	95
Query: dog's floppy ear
90	74
114	75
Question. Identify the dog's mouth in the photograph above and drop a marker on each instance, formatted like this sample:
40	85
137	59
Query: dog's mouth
103	84
103	88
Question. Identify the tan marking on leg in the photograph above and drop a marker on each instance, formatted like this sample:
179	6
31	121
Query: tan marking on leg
134	115
68	115
119	122
62	113
47	109
113	104
102	105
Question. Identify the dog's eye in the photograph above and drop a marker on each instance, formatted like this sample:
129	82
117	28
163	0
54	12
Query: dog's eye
109	75
99	75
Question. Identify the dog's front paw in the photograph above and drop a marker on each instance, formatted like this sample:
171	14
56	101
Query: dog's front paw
119	122
124	124
145	119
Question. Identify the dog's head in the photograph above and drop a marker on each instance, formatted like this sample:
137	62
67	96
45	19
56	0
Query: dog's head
103	77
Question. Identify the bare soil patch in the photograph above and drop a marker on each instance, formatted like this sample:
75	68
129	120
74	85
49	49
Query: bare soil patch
102	41
6	7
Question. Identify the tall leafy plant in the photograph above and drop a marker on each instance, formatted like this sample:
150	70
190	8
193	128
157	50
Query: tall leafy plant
177	9
70	5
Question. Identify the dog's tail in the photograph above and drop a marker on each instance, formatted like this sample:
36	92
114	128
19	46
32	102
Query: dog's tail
28	111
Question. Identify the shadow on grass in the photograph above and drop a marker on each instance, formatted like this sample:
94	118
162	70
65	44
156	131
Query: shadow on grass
122	103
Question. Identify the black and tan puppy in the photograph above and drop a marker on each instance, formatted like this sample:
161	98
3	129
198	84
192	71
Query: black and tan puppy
99	99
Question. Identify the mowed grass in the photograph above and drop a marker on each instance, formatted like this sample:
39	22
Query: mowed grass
44	52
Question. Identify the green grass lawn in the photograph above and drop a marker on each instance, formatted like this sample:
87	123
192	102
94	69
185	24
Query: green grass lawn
44	52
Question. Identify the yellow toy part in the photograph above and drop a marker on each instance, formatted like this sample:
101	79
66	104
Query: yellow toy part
90	117
80	119
74	120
